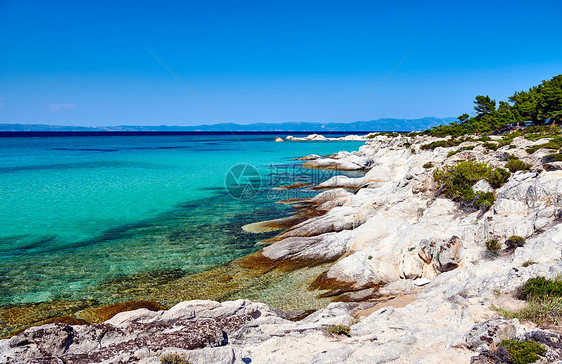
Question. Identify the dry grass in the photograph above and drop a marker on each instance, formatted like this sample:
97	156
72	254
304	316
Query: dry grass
544	311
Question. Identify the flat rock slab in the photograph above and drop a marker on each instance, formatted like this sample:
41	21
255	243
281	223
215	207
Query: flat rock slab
396	302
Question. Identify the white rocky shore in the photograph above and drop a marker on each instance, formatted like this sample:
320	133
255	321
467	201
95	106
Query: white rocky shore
388	233
319	137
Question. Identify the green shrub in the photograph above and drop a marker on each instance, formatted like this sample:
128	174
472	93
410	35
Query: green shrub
515	165
523	352
484	200
496	177
553	144
339	330
544	301
534	133
556	157
493	246
540	287
461	149
514	241
441	143
458	180
528	263
491	146
508	138
386	133
428	165
173	358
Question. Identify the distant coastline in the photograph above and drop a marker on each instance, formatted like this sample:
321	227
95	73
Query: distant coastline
12	134
383	125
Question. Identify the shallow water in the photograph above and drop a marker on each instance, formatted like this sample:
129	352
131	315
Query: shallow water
77	213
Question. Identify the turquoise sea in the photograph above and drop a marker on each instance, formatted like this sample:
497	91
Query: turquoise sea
77	211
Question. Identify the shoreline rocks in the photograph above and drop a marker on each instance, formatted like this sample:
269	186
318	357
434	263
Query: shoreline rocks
318	137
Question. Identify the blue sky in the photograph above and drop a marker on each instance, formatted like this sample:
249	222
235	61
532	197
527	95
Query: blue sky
89	63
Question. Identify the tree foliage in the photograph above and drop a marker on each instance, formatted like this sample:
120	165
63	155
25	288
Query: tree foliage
484	105
539	104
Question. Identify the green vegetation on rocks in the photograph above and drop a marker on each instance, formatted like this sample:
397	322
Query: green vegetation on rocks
457	181
339	330
544	301
484	199
461	149
556	157
523	352
555	143
441	143
493	246
173	358
540	287
491	146
515	241
515	165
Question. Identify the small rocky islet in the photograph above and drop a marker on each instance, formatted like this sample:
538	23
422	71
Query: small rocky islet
406	263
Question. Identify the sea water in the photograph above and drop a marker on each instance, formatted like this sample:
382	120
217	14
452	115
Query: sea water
77	211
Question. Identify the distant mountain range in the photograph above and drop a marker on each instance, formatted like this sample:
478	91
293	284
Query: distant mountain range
386	124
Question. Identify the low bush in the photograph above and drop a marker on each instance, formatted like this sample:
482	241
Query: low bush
484	200
534	133
515	165
553	144
523	352
556	157
544	301
493	246
441	143
461	149
173	358
428	165
528	263
508	138
514	241
339	330
459	179
386	133
490	145
496	177
540	287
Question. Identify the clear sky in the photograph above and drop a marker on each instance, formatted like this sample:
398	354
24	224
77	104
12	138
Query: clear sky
90	62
